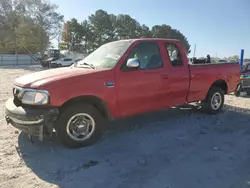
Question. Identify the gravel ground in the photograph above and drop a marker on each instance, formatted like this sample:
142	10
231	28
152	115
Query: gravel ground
174	148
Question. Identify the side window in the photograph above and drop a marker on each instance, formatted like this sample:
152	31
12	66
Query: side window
67	59
148	54
174	55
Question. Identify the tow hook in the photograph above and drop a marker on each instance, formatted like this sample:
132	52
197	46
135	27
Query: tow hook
7	120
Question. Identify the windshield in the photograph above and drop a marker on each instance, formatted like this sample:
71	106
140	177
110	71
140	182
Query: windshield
106	56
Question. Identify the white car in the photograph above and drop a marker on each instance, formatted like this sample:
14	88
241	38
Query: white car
62	62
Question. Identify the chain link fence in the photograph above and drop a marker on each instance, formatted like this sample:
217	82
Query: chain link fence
19	59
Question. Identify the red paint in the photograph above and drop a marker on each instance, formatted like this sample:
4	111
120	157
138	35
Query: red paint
135	91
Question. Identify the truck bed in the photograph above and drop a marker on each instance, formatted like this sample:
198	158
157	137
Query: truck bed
202	76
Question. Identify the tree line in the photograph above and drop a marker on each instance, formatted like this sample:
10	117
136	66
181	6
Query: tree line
28	26
102	27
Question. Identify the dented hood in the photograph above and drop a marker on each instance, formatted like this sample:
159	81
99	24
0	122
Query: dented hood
38	79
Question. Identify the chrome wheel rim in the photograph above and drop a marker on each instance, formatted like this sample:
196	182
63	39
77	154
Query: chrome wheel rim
80	127
216	101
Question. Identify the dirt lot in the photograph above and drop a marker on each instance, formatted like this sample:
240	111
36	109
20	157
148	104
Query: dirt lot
177	148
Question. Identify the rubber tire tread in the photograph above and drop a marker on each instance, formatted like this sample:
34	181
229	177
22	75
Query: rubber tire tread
67	114
206	104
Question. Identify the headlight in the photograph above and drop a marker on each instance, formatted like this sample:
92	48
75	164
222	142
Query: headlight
34	97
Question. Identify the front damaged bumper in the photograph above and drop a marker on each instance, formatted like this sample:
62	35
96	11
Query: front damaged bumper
34	121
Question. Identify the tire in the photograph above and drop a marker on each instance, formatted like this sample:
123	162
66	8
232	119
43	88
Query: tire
207	105
59	65
63	129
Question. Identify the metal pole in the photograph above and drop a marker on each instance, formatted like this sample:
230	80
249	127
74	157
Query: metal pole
194	50
241	58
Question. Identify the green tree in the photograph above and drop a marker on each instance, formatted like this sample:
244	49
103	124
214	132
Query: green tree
102	27
127	27
74	36
144	32
28	24
29	36
11	13
165	31
46	17
88	37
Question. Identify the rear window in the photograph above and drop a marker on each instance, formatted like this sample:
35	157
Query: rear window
174	55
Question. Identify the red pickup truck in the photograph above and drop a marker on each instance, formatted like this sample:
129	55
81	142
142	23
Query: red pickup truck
119	79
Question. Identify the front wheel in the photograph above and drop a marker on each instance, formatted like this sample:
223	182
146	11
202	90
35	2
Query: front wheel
214	101
79	126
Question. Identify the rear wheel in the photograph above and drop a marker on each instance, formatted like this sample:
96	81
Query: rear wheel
214	101
59	65
79	126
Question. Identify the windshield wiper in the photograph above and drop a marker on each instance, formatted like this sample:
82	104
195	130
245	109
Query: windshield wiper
89	65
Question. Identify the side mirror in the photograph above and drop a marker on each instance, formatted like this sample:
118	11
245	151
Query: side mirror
133	63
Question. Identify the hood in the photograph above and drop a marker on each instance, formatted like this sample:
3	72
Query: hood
37	79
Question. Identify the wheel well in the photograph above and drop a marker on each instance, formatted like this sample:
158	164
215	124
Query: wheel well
93	100
221	84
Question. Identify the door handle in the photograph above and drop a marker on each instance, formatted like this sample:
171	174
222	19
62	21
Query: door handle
164	77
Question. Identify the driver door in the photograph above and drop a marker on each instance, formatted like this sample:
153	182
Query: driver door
138	88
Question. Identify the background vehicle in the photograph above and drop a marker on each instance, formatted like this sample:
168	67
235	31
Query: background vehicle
53	55
62	62
244	85
77	60
223	61
233	61
119	79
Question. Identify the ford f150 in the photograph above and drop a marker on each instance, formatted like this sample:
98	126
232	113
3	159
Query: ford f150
119	79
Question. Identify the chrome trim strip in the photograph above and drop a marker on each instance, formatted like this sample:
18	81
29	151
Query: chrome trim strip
32	90
23	90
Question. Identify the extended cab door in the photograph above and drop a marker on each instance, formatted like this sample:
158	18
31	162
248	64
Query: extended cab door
138	88
175	86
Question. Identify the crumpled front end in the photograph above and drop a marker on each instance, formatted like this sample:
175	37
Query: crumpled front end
35	121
